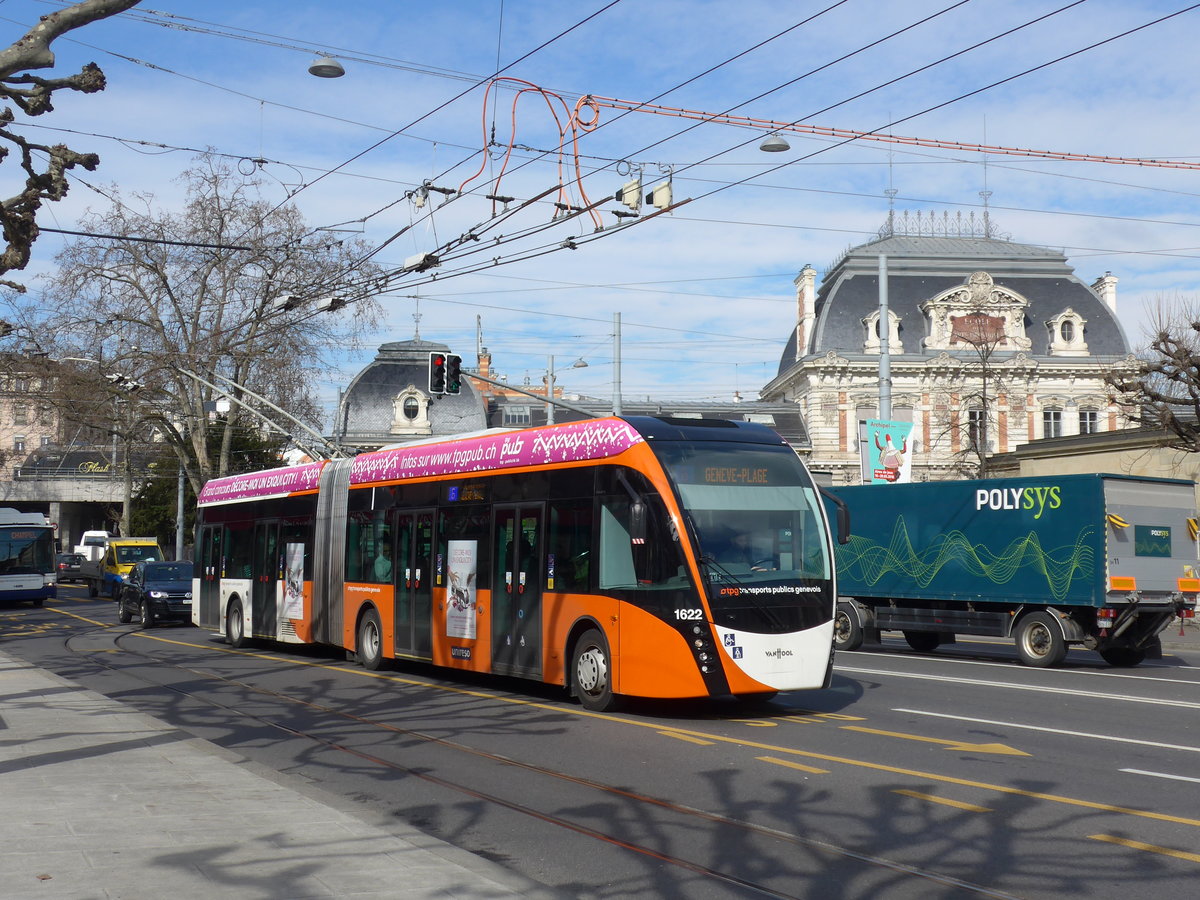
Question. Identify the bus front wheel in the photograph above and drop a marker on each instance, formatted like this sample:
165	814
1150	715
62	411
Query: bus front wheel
370	641
235	628
591	671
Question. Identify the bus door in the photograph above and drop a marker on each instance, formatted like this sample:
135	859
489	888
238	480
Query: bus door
210	576
265	588
414	575
517	589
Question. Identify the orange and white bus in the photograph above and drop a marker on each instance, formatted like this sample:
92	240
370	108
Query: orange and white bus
639	556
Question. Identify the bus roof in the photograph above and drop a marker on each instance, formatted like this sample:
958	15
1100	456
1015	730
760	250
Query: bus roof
486	451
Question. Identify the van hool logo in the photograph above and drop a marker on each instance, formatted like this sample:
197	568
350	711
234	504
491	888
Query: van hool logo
778	653
460	652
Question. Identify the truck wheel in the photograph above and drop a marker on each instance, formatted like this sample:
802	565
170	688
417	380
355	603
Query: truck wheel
847	633
1123	657
1040	641
923	641
93	591
235	629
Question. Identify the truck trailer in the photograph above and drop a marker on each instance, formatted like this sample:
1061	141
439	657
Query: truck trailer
1100	561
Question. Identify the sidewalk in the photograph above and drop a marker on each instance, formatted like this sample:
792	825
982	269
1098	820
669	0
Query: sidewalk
1185	636
99	801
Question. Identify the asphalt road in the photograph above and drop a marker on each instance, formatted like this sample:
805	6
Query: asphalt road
955	774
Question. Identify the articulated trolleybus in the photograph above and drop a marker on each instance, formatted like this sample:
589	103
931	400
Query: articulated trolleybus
639	556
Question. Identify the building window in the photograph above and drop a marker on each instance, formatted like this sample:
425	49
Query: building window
977	429
516	415
1052	423
47	440
412	408
1066	331
19	443
1089	421
20	414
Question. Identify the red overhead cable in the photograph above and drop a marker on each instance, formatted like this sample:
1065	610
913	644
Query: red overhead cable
593	102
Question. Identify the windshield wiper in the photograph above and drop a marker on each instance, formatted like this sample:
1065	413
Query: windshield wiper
767	612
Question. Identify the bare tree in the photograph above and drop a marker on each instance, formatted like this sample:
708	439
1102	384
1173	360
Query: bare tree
186	308
1161	386
45	166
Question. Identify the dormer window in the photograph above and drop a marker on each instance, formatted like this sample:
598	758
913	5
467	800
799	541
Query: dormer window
872	331
410	413
1066	334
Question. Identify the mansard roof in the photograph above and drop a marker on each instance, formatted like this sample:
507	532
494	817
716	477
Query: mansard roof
921	267
366	412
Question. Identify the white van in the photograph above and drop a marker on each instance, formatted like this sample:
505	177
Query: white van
93	544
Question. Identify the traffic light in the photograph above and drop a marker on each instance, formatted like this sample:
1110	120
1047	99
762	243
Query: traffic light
437	373
453	374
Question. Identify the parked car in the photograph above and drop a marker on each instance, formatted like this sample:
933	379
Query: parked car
156	592
68	567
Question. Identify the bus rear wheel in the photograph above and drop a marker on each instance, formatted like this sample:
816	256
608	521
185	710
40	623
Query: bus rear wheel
235	628
591	672
370	641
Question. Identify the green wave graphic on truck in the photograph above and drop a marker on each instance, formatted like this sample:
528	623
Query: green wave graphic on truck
867	561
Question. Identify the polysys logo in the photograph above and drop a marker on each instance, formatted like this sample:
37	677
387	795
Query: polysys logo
1038	499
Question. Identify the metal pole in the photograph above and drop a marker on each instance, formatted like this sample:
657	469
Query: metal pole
179	514
550	390
616	404
885	358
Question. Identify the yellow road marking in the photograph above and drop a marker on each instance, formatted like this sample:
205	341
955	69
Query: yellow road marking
1152	848
794	765
737	741
999	749
945	801
63	612
680	736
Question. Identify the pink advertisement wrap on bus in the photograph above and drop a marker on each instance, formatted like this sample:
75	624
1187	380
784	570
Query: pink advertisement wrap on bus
574	441
272	483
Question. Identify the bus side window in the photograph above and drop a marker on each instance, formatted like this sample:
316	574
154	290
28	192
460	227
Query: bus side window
570	542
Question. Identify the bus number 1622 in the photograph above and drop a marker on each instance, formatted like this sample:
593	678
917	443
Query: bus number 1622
686	615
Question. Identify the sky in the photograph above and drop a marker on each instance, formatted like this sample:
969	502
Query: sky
704	291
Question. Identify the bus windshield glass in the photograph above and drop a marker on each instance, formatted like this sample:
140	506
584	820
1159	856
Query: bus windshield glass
758	521
26	551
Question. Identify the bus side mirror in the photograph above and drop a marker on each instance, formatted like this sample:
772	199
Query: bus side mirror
843	515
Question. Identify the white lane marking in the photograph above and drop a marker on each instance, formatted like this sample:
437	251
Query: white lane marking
1091	695
1063	731
1160	775
1010	664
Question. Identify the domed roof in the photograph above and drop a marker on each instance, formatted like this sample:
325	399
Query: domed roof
367	410
921	268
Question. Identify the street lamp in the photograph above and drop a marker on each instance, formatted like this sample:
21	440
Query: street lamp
580	363
774	143
326	67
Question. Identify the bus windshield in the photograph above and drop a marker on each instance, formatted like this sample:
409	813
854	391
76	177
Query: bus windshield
757	518
26	551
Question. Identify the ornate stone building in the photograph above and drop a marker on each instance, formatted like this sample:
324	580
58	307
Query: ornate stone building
990	344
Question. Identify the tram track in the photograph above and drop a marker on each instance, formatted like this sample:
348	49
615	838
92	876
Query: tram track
124	643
